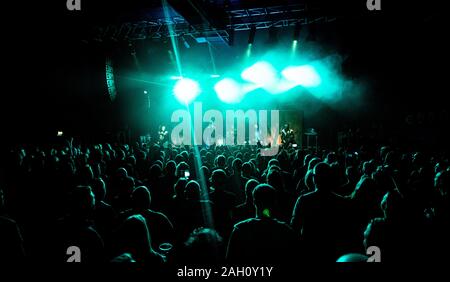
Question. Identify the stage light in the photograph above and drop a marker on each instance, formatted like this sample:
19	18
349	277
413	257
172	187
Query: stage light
248	52
251	39
176	77
305	76
262	73
294	45
215	75
186	90
228	91
145	92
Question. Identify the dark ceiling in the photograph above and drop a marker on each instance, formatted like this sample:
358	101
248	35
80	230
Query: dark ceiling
45	58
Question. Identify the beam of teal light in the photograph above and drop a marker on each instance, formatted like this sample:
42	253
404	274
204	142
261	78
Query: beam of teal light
144	81
213	61
207	213
172	37
294	45
248	52
294	48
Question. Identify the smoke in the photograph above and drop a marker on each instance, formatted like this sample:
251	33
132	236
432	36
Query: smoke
337	90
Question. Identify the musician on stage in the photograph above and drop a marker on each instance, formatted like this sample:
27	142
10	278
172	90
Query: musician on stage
163	134
287	135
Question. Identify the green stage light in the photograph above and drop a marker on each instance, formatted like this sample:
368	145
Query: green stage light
228	91
248	52
262	73
305	76
176	77
294	45
186	90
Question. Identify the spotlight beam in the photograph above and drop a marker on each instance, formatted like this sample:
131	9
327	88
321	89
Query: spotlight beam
172	37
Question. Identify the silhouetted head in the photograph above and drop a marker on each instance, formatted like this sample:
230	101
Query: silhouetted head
230	160
383	151
155	171
141	198
307	159
313	162
331	158
351	173
203	246
181	167
323	177
126	186
249	187
383	179
275	179
221	161
134	237
99	188
179	158
131	160
179	187
206	173
171	167
192	191
368	167
237	165
273	162
218	178
209	158
246	169
121	173
264	199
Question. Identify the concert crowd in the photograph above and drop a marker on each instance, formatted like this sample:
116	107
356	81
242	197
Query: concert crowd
158	206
